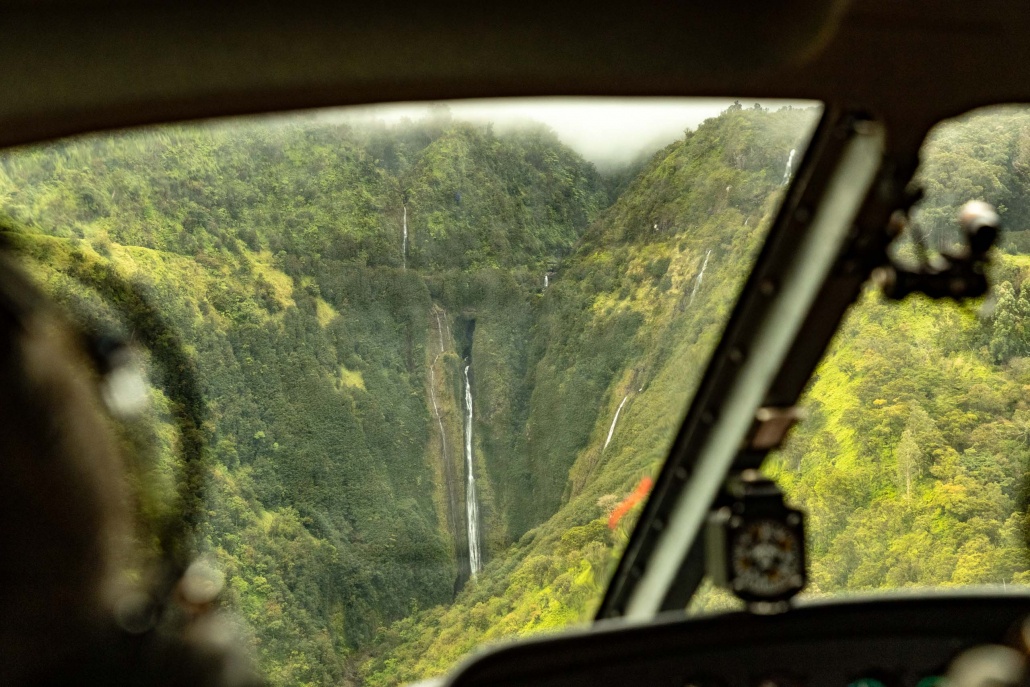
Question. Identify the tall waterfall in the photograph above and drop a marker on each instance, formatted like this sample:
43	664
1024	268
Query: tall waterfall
790	167
700	276
404	241
611	430
471	503
547	281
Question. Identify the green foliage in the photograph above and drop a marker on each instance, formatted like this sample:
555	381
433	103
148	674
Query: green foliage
332	504
307	190
983	156
275	250
621	320
911	466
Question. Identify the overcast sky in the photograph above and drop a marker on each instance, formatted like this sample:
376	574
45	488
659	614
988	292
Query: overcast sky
603	130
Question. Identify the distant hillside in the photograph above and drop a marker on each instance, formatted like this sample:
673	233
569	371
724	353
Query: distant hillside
315	191
619	341
912	464
358	298
278	253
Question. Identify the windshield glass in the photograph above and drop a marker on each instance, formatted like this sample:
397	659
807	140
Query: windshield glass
444	348
912	463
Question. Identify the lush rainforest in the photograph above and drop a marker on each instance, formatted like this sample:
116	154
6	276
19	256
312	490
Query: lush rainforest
387	319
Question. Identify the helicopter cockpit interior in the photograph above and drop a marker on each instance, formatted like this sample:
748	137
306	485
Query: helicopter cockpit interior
843	225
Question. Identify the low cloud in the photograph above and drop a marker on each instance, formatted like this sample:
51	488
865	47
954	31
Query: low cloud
607	131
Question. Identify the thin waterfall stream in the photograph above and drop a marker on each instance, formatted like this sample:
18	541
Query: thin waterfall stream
611	430
432	388
700	276
439	331
471	502
436	411
404	241
790	168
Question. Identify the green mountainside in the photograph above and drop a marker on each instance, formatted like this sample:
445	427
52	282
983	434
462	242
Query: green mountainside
333	282
627	322
912	465
276	253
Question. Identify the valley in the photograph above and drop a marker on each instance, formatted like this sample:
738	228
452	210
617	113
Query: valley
441	364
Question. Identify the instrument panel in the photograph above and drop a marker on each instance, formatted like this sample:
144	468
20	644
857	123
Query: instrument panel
900	641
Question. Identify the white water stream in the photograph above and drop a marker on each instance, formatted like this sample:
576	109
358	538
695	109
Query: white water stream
432	386
404	241
790	168
611	430
439	330
471	503
700	276
436	411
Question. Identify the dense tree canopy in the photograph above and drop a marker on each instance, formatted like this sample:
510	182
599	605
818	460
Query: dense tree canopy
331	350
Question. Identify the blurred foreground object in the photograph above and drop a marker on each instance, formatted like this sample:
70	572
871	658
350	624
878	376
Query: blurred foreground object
958	274
67	612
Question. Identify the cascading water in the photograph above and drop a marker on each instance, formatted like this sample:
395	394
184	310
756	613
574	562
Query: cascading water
790	167
436	411
547	281
611	430
404	241
471	503
432	388
439	330
700	276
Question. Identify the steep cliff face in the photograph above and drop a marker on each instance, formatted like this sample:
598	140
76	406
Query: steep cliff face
435	358
640	300
326	279
912	464
388	319
623	328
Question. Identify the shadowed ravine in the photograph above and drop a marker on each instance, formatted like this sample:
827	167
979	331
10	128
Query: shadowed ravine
445	410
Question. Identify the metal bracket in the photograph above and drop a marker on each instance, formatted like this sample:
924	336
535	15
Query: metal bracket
771	426
957	274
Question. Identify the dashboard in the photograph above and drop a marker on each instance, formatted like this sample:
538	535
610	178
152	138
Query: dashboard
894	641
